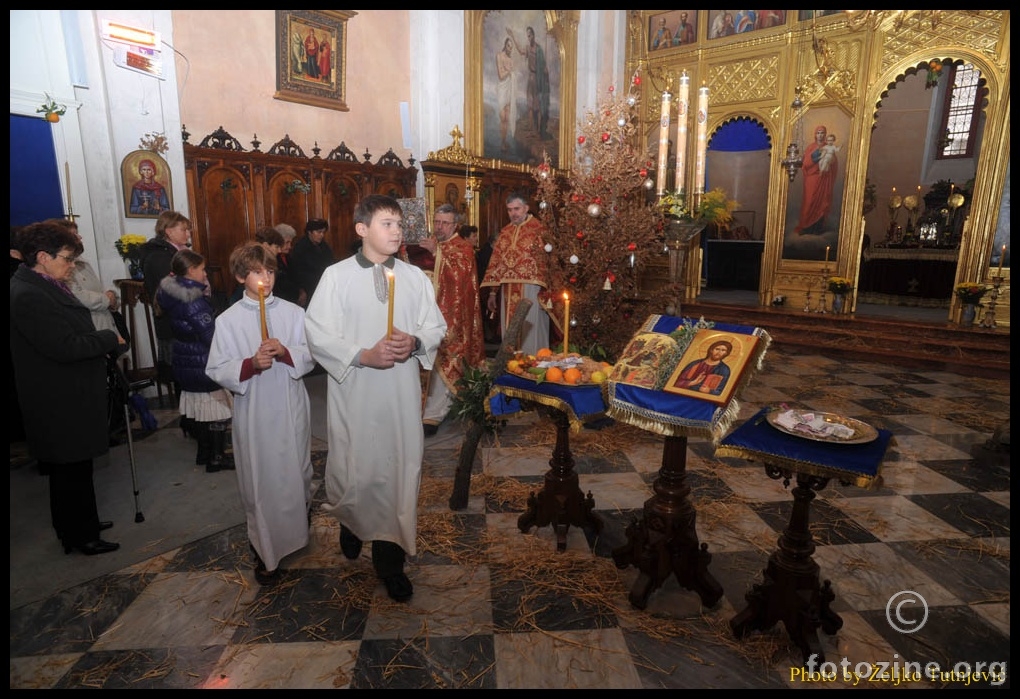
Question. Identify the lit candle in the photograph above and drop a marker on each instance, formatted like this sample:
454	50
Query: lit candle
262	312
660	172
682	108
566	322
826	253
699	161
389	298
1002	257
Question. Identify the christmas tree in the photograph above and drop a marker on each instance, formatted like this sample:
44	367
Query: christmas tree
603	226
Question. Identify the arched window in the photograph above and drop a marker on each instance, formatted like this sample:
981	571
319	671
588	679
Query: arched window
960	112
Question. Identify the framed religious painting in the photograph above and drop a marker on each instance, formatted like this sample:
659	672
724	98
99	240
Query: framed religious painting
521	85
673	29
311	57
814	202
712	365
145	178
726	23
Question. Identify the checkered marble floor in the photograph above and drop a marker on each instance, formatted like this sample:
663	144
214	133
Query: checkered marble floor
496	608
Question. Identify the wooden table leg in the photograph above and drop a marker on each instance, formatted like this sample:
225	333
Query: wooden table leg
560	502
665	541
791	591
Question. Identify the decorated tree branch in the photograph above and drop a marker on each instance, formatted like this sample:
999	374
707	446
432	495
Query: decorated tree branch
603	227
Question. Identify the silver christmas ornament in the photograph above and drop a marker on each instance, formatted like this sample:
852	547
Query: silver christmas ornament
594	210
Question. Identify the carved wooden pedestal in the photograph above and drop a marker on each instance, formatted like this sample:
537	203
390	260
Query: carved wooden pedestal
665	541
791	591
560	502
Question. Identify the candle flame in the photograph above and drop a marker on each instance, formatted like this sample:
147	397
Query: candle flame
566	296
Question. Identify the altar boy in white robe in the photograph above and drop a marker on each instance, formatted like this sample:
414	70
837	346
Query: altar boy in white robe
372	324
272	435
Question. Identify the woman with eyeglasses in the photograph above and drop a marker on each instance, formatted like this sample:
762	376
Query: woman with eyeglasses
60	369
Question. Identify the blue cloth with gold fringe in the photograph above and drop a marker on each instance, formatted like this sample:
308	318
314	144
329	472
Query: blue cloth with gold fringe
757	440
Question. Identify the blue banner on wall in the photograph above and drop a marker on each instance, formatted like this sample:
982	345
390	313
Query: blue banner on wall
35	178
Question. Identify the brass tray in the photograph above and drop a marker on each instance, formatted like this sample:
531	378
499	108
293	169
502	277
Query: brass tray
863	432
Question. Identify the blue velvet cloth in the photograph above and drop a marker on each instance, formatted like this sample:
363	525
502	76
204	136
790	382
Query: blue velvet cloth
581	403
757	440
672	412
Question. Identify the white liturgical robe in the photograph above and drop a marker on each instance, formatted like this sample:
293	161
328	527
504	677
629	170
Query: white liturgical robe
272	433
376	441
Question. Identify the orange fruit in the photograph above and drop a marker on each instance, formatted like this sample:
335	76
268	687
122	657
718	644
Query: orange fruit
542	353
572	375
53	117
554	373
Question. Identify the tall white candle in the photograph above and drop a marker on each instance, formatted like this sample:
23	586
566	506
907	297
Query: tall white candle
683	108
67	177
699	162
660	171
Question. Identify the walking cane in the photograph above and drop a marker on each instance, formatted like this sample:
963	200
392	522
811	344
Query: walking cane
139	517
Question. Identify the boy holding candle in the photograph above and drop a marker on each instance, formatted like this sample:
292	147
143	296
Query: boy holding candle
374	394
272	430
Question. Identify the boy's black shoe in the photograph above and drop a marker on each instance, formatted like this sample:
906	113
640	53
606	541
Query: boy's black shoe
398	587
264	577
350	545
430	430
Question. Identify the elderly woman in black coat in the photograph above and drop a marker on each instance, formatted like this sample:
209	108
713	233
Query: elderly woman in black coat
60	363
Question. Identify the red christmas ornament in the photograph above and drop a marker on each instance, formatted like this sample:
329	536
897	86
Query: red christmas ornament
611	88
637	79
611	277
573	280
643	172
580	140
632	247
597	200
605	136
580	235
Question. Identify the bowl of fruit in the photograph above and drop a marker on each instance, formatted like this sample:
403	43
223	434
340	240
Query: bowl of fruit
568	368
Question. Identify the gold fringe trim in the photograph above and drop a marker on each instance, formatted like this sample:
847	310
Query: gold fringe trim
677	426
797	466
575	422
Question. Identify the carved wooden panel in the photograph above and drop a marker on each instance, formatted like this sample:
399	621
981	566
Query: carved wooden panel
232	192
225	206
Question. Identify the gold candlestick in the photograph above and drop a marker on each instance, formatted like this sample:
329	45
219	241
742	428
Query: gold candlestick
989	320
821	294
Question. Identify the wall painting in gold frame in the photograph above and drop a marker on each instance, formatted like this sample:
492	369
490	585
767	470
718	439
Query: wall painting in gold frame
535	110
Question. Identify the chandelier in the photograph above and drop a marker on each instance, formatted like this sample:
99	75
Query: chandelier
793	160
873	19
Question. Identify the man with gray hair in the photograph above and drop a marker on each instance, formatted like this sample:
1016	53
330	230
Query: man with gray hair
517	270
455	279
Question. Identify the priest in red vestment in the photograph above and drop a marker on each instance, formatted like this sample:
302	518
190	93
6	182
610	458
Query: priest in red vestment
518	269
455	278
